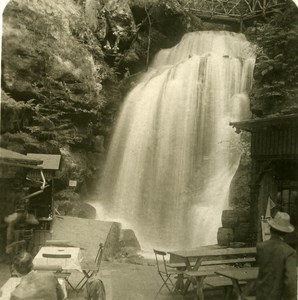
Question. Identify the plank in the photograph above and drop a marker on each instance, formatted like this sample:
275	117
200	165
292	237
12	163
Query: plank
215	262
200	252
241	274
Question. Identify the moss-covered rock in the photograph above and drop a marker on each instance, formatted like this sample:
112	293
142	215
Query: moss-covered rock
56	84
275	88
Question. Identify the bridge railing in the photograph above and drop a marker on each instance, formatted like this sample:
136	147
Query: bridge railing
233	8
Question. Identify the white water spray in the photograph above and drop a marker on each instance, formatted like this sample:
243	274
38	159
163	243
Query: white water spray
173	154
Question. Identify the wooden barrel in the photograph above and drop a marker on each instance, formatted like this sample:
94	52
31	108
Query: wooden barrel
229	218
225	236
241	232
243	216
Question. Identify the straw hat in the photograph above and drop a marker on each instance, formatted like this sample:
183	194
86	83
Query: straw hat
281	222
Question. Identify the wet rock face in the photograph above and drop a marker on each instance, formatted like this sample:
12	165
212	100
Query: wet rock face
55	83
41	58
275	88
61	66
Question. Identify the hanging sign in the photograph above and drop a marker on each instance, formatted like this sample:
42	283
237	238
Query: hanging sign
72	183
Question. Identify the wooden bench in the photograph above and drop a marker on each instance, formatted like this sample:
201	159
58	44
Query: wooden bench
232	261
208	277
53	268
218	281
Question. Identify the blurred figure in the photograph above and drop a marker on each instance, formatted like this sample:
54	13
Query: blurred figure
34	285
277	279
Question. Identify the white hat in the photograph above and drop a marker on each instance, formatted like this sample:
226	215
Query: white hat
281	222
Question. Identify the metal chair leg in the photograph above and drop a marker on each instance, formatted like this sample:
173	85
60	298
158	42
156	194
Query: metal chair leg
83	280
164	284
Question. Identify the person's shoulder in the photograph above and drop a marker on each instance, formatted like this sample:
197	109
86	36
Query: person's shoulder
264	244
288	249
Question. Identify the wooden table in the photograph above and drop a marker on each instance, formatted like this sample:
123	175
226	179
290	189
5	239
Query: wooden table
68	258
204	253
248	275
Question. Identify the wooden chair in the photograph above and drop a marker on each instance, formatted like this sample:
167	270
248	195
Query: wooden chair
165	274
90	268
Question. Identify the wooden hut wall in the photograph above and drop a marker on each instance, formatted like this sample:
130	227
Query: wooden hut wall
275	143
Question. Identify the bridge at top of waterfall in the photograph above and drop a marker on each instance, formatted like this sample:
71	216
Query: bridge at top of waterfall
234	10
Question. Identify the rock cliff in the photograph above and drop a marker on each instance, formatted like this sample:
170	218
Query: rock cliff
66	66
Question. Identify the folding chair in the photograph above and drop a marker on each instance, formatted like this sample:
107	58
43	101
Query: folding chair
90	268
165	274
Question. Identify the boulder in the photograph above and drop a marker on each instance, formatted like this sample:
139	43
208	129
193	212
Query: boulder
129	239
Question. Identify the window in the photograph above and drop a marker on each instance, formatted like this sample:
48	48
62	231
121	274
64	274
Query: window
287	200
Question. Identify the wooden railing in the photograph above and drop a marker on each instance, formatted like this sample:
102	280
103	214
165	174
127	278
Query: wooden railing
235	9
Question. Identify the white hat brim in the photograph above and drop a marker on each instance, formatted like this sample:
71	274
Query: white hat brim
287	229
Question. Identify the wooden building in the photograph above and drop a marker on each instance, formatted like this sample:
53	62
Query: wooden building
274	172
13	170
42	205
27	185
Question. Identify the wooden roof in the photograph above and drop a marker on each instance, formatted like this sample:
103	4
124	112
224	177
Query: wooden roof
8	157
50	161
278	121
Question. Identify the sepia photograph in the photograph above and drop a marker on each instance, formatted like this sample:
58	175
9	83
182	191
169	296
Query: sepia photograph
149	149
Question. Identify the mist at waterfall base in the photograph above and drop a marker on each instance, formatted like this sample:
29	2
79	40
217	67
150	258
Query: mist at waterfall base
173	153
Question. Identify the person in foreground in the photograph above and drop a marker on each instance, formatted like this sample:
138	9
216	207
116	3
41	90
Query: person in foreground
34	285
277	263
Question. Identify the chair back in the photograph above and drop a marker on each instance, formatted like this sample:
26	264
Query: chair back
161	262
99	255
265	229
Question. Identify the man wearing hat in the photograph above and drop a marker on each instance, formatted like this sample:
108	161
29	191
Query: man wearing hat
277	263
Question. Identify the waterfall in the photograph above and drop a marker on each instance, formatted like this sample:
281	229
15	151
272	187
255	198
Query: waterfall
173	153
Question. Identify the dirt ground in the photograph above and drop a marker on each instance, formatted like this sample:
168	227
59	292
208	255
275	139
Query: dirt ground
125	281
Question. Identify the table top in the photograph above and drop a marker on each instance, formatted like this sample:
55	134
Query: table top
71	263
203	252
240	274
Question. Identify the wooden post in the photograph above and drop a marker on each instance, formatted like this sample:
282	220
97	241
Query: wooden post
254	194
149	38
241	24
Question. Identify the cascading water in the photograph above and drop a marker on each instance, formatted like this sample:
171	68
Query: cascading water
173	154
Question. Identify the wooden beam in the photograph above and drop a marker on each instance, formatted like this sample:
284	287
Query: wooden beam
219	18
19	165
